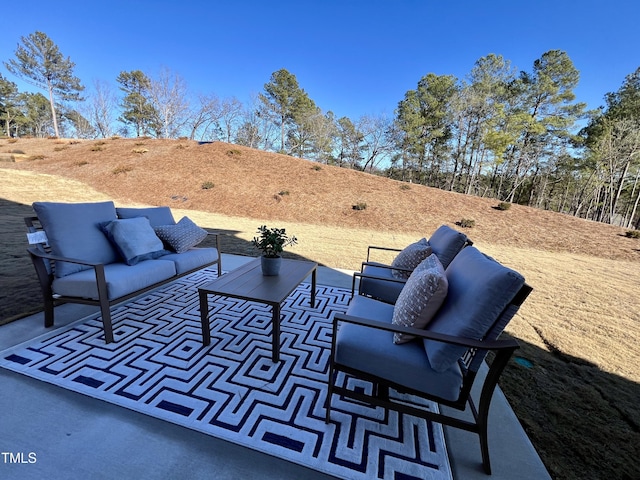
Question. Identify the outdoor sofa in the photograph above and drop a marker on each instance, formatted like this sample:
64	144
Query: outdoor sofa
97	254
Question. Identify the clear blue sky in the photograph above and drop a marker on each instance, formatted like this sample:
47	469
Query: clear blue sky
352	57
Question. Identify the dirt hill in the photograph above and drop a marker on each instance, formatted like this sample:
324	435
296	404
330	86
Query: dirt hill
239	181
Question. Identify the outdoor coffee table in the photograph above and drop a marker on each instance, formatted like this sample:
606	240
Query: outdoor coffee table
248	283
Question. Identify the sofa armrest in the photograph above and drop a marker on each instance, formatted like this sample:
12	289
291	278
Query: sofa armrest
57	258
217	238
495	345
387	249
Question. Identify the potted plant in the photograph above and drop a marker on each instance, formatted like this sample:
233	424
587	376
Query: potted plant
272	242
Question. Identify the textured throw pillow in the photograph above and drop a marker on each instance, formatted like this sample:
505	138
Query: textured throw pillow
410	258
134	239
421	297
181	236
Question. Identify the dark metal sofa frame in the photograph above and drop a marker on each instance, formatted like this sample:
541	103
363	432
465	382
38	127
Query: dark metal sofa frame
44	263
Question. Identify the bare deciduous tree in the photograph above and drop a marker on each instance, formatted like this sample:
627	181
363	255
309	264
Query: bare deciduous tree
168	95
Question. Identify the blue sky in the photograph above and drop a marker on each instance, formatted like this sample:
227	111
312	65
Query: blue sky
352	57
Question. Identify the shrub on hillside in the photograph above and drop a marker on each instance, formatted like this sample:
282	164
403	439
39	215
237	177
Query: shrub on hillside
360	206
633	233
207	185
121	169
467	223
504	206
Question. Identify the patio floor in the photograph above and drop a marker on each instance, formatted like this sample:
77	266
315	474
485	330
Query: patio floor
71	436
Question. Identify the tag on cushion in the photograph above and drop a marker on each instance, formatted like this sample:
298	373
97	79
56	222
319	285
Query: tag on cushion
410	258
181	236
421	297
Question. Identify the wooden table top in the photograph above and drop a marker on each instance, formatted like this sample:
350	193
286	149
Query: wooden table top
248	283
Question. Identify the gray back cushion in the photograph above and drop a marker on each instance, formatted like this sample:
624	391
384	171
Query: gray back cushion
156	215
479	290
73	230
446	243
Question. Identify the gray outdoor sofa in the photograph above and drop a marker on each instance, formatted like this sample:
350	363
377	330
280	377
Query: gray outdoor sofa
97	254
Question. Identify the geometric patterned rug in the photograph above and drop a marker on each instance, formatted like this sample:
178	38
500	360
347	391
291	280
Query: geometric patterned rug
231	389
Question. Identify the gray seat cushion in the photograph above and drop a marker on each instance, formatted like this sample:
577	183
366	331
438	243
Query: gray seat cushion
192	259
156	215
479	290
121	278
73	230
373	351
446	243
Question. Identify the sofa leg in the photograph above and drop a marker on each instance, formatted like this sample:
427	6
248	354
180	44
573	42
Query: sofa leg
484	448
48	312
106	323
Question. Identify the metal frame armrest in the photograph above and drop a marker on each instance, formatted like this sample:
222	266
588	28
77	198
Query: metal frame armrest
217	240
504	344
374	247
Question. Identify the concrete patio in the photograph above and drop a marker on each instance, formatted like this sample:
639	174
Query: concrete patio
49	432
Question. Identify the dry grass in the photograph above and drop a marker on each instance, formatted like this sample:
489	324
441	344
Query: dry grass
579	328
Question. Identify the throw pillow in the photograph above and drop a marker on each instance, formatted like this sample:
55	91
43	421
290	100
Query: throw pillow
181	236
134	239
410	258
421	297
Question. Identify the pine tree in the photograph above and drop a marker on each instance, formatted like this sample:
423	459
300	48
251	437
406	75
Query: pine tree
39	62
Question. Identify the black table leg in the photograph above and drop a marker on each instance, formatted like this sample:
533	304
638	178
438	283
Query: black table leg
275	340
204	318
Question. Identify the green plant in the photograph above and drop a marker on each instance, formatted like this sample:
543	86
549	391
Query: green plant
405	186
272	241
96	148
504	206
207	185
359	206
633	233
317	168
282	193
467	223
233	152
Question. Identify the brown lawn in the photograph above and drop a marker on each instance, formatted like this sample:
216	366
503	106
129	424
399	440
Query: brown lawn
579	328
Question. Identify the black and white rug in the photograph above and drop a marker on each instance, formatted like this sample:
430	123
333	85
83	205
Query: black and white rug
231	389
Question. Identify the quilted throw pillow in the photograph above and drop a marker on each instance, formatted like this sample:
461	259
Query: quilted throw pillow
421	297
410	258
181	236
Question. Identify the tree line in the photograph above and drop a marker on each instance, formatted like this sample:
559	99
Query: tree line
517	136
